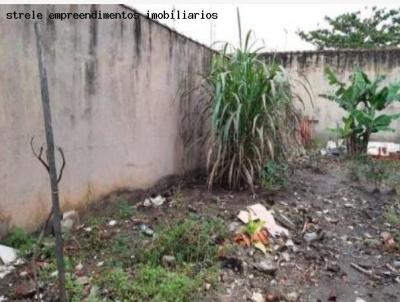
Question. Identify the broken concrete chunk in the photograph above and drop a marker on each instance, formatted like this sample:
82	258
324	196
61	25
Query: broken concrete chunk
292	297
257	297
309	237
168	261
155	202
386	236
7	254
259	212
233	226
146	230
70	220
267	265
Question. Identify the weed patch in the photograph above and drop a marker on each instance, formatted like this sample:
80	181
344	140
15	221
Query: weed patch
189	240
275	175
125	210
152	283
20	240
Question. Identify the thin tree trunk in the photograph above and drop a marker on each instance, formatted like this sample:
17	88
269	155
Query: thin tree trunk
52	167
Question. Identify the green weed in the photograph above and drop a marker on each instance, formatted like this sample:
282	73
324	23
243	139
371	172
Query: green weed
20	240
189	240
275	175
74	289
125	209
152	283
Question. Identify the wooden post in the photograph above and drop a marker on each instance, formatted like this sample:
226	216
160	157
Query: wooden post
52	167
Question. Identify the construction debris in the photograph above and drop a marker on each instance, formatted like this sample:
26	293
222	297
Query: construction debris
7	254
259	212
155	202
146	230
70	220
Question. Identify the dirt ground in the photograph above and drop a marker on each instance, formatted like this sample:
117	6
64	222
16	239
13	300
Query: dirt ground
350	258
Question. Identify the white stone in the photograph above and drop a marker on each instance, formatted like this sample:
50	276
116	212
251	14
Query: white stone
257	297
7	254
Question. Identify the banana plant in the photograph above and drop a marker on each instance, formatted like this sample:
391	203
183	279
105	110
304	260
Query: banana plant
362	99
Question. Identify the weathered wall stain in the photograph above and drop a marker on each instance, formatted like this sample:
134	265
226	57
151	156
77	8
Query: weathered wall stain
114	89
91	64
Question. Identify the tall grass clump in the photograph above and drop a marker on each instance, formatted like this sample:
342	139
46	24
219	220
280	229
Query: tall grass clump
254	119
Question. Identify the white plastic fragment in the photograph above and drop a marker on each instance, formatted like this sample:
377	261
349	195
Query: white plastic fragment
259	212
7	254
156	201
5	270
112	222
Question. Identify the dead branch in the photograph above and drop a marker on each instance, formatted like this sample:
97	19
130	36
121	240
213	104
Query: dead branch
362	270
39	155
63	164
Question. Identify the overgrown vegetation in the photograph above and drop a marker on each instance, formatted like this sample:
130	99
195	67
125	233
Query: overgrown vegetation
367	170
20	240
275	175
194	245
189	241
381	28
362	100
254	120
125	209
150	284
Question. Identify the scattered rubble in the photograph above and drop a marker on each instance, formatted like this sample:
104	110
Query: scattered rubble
327	233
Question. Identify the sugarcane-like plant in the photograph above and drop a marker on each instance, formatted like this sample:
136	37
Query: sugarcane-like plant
254	120
362	99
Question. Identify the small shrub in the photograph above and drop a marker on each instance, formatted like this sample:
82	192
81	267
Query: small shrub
119	284
275	175
121	250
189	240
365	169
20	240
125	209
393	218
362	99
75	290
159	285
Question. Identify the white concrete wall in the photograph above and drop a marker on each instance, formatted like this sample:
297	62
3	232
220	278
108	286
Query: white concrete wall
115	91
311	65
